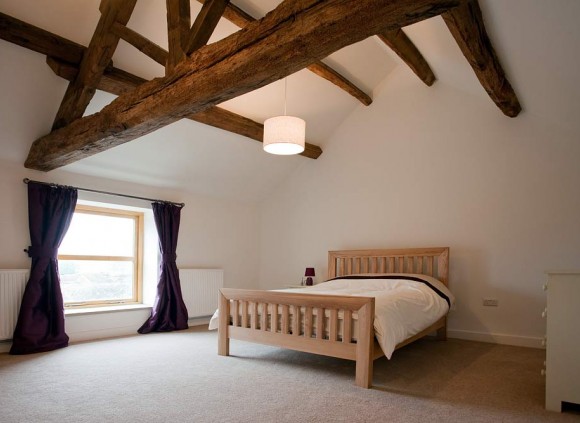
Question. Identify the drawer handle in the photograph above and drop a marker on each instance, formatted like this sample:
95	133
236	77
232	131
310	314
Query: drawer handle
543	372
545	313
544	341
545	286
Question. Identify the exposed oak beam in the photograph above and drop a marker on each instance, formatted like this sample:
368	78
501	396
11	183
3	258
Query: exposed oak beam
240	18
324	71
64	57
97	56
117	81
205	23
398	41
114	81
232	122
144	45
294	35
236	15
466	25
39	40
178	25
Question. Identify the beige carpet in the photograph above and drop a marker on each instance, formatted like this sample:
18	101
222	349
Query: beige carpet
178	377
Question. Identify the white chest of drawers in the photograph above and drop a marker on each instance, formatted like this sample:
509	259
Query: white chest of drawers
563	340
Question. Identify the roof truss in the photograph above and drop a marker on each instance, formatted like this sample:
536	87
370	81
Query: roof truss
297	34
241	18
396	40
80	91
64	56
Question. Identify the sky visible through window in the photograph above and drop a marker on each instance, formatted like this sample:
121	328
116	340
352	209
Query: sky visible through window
97	280
98	235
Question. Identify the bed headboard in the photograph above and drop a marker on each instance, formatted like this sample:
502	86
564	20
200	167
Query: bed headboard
428	261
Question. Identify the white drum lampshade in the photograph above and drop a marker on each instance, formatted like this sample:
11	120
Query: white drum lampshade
284	135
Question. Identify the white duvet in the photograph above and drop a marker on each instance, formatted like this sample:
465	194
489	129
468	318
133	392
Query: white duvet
403	307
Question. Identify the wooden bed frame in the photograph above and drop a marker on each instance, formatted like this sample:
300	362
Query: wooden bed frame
286	319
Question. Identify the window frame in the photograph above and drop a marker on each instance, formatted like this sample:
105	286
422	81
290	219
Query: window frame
137	259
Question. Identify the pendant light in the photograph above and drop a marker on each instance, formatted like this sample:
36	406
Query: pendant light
284	135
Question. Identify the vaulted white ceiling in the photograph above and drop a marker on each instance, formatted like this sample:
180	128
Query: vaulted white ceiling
536	42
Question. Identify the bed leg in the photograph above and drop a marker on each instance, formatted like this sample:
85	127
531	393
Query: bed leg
223	335
223	345
442	333
364	373
365	344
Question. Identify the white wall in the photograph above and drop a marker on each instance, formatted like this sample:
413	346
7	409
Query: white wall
435	166
213	234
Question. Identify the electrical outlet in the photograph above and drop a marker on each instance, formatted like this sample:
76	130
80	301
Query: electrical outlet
490	302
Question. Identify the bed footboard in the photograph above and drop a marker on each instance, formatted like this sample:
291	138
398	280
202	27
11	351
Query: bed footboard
319	324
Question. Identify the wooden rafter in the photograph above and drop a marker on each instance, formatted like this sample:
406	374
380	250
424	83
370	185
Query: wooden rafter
64	57
205	23
97	56
144	45
39	40
294	35
229	121
398	41
114	81
178	25
466	25
117	81
241	18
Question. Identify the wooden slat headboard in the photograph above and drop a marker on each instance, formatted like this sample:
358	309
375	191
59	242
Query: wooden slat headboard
428	261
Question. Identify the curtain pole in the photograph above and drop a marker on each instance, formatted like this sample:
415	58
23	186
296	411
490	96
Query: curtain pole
26	181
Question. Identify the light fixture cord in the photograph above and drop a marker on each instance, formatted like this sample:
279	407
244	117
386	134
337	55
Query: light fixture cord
285	93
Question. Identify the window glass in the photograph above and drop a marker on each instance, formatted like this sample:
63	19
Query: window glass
99	235
100	257
83	280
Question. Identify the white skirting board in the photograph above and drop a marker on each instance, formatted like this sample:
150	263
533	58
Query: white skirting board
496	338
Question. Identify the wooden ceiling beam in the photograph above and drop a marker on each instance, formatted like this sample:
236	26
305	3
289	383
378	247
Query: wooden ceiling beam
114	81
232	122
178	26
240	18
144	45
398	41
64	57
39	40
205	23
97	56
236	15
118	82
467	27
294	35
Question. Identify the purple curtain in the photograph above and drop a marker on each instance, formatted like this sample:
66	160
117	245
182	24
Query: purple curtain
40	325
169	312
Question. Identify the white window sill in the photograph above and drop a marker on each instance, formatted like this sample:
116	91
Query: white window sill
107	309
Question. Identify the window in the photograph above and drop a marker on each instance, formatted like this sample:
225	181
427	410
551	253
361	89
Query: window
100	258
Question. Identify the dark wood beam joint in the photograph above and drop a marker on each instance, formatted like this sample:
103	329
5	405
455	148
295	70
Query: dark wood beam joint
242	19
144	45
96	58
178	26
205	23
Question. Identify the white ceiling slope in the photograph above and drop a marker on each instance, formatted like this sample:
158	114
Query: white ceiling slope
536	42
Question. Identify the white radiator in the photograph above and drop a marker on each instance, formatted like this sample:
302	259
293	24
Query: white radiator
12	283
200	288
